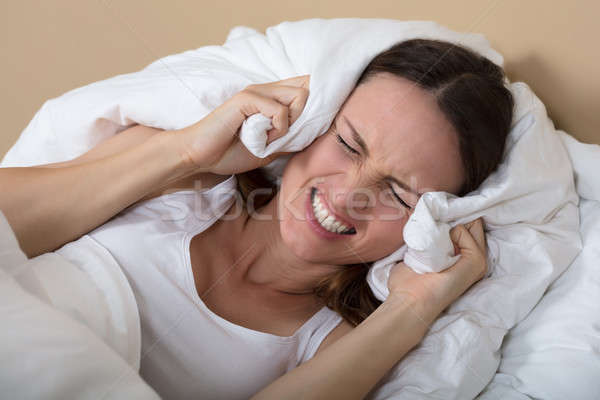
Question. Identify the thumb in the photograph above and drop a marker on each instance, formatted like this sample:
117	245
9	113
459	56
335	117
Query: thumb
273	157
462	239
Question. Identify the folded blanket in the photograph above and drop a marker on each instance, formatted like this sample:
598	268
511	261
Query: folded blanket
529	205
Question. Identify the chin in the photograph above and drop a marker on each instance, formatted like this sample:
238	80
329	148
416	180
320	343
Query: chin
299	241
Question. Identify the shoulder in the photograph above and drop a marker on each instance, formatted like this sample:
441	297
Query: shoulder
336	333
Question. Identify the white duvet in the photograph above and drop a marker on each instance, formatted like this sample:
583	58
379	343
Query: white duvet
68	331
529	205
554	353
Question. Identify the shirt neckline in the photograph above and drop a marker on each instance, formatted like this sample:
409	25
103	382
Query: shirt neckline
191	287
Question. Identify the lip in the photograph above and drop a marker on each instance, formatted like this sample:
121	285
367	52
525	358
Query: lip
314	222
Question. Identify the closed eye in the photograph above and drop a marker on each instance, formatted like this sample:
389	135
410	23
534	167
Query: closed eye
346	146
352	151
399	199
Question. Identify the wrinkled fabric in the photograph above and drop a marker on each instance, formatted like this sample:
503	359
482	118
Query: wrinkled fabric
554	353
529	204
69	331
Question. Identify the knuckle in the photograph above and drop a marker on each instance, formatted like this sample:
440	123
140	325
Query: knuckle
458	228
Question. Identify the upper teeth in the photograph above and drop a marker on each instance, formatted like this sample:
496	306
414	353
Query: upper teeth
326	220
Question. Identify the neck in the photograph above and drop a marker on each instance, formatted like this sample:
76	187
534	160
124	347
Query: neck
266	261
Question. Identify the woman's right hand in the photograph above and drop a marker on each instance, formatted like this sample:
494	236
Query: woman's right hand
212	144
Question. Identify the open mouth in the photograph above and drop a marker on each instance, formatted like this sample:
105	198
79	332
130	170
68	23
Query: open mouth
327	220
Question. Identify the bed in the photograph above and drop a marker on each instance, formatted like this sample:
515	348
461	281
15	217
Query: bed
554	352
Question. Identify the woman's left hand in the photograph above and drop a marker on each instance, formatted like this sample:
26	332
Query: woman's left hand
433	292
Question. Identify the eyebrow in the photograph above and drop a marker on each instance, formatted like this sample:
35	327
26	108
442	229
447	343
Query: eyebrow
358	139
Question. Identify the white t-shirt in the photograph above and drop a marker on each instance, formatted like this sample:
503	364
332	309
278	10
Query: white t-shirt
187	350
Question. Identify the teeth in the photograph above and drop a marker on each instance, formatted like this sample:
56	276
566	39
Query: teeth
327	221
321	215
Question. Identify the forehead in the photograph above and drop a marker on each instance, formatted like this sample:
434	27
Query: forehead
407	134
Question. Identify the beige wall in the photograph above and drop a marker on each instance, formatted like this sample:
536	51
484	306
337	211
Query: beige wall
52	46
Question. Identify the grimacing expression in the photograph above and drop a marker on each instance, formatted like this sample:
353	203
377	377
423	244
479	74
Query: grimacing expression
406	136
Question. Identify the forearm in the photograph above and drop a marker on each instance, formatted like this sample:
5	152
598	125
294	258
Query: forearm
350	367
48	207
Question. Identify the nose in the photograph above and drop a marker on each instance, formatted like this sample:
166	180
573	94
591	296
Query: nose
353	194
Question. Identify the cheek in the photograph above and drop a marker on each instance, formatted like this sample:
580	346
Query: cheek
323	157
385	231
320	159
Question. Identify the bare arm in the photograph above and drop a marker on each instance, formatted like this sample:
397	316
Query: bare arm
130	138
354	363
48	206
354	360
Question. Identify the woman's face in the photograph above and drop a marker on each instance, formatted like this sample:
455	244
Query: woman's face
405	136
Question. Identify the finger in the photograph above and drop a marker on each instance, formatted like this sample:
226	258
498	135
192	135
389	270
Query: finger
273	157
293	97
252	103
461	236
476	229
239	155
296	106
468	272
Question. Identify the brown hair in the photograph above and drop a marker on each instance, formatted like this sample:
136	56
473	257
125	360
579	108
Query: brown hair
471	93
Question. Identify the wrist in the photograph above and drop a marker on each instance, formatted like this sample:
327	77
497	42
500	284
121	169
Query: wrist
173	144
422	313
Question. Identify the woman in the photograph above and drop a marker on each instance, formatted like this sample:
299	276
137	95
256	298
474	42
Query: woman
424	116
